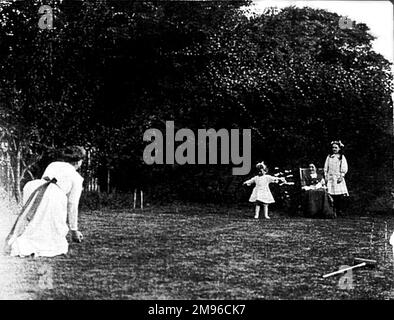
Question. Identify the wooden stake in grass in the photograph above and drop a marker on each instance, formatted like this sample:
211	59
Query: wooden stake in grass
385	239
135	198
141	199
371	238
391	241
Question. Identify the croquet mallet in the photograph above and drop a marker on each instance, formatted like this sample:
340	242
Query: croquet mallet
360	263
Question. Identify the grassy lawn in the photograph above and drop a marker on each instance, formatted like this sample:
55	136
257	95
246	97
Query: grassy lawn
207	252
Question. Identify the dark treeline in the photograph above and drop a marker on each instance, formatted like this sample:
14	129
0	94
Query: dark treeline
109	70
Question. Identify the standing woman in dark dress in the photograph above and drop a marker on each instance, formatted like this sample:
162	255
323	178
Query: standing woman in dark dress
335	169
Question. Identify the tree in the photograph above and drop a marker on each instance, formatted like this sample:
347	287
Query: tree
109	70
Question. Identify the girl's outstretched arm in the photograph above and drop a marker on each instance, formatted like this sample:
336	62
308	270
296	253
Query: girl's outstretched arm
250	181
281	180
277	179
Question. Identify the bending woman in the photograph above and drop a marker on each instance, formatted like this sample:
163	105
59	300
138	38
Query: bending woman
50	209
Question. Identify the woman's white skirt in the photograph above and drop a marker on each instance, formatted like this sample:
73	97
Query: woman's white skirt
46	233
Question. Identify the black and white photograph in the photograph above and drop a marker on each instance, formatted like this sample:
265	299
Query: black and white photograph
196	150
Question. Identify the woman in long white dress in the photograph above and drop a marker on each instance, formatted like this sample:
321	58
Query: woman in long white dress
50	209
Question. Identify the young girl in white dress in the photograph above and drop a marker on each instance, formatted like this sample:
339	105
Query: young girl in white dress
335	169
261	194
50	210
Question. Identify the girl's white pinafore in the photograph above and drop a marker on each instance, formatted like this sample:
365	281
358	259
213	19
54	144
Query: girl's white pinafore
261	191
334	168
46	233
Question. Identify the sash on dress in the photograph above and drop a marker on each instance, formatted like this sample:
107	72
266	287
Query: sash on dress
27	213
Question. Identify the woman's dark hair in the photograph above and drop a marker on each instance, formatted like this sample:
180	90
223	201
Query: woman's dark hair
72	154
312	164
